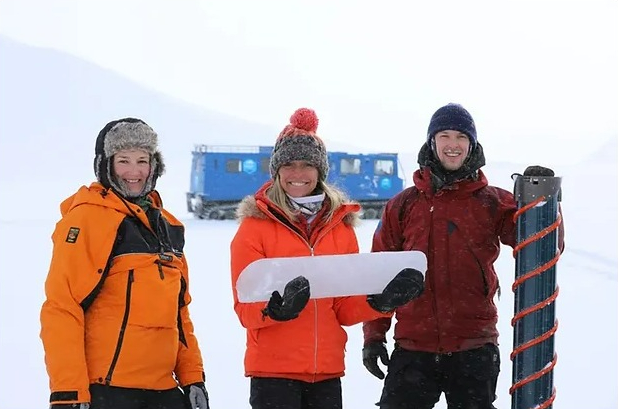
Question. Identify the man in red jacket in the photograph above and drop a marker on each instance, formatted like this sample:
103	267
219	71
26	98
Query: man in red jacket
447	339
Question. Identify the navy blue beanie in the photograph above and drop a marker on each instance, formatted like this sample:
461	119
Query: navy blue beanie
452	117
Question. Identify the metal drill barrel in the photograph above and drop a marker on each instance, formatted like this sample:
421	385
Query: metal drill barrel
535	288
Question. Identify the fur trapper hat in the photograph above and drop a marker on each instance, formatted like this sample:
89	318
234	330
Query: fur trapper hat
121	134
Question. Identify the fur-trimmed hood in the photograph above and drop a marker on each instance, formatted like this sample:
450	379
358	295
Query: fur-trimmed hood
248	207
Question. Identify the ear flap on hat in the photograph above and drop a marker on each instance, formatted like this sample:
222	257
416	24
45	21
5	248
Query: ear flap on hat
101	170
159	165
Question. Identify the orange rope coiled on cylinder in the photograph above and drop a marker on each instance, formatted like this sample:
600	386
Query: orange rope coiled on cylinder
538	306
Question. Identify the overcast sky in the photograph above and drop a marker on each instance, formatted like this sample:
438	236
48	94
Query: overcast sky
537	75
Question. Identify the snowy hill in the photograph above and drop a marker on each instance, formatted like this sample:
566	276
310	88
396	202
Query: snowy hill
52	106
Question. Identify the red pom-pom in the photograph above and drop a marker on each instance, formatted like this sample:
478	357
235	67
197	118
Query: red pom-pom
305	119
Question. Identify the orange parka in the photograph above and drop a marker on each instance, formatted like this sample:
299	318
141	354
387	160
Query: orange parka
311	347
116	298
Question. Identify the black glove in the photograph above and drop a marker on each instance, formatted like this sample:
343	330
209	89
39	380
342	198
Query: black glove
196	396
538	171
295	297
407	285
371	352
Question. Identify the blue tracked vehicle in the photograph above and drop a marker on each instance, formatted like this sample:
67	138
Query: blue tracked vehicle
221	176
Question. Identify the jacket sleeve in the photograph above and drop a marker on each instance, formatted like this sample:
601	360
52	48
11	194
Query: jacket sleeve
354	310
244	249
507	228
189	364
76	267
388	235
375	331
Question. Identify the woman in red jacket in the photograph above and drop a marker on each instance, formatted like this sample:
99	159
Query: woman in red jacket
295	346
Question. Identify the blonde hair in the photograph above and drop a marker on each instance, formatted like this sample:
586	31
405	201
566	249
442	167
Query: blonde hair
277	195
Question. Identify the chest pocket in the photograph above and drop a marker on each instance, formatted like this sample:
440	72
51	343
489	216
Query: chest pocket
477	221
154	296
140	289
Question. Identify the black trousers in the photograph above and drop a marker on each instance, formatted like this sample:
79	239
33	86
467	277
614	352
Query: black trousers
278	393
415	380
111	397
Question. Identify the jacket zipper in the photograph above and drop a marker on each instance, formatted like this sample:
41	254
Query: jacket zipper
434	304
156	233
123	327
312	253
315	302
315	341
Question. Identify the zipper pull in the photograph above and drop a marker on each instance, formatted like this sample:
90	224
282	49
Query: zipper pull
160	269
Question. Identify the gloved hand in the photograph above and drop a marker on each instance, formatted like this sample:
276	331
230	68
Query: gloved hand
407	285
295	296
70	406
196	395
537	170
371	353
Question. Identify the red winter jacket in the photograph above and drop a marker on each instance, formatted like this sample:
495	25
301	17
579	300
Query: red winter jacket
460	229
311	347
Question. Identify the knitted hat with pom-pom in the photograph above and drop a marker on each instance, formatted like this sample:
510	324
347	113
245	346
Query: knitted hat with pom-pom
298	141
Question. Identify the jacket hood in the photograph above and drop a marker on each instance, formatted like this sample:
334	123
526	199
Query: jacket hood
425	183
443	177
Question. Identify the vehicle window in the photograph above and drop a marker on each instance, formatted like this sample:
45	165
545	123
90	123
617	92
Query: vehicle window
233	166
350	166
383	167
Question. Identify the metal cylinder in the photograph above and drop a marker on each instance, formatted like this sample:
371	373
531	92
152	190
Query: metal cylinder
535	288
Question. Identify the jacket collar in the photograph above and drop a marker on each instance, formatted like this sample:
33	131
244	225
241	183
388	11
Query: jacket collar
259	206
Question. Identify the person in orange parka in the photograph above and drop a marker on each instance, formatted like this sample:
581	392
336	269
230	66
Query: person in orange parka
115	323
295	346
